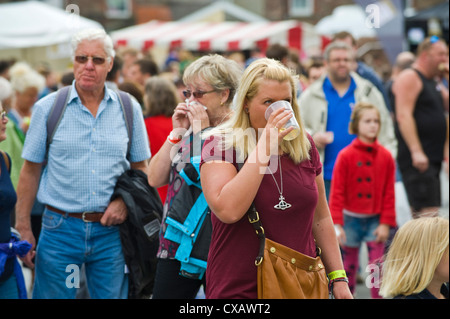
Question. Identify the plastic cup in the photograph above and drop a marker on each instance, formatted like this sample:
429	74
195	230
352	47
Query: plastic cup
292	121
330	137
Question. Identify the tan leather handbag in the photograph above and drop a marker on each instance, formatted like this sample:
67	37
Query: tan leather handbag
284	273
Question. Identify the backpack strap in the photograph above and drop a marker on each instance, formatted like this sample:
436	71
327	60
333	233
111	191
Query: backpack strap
127	108
7	163
56	113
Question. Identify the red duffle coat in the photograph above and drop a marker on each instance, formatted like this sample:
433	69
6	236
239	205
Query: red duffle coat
364	182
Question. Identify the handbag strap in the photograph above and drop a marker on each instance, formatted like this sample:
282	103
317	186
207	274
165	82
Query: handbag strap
253	218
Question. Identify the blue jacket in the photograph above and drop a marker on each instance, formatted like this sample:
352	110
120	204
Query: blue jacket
189	223
14	248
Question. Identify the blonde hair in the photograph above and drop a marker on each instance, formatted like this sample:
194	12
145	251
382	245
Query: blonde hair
258	71
357	112
414	255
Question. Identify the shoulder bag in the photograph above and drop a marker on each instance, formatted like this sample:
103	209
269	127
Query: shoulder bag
284	273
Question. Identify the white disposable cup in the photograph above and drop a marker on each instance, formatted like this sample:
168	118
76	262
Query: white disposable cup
292	121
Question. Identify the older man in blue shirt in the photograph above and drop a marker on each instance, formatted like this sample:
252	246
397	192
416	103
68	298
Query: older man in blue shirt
87	155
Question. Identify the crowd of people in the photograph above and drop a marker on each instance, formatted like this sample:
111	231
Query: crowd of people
324	193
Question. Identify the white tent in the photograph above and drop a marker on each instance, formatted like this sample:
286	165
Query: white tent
34	31
32	23
351	18
220	36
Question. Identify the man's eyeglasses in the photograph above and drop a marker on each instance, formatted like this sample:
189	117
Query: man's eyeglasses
197	95
82	59
3	115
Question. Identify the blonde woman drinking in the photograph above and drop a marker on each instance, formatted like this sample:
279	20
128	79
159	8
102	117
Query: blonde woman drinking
283	179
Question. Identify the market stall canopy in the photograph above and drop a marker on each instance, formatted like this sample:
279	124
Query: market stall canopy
30	24
220	36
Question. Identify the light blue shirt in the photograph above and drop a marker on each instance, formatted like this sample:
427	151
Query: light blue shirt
87	154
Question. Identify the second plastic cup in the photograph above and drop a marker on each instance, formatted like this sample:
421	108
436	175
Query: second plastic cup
292	121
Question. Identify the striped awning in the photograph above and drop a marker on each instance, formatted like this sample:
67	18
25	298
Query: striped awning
220	36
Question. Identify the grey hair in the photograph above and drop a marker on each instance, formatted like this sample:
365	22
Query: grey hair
93	35
23	76
6	89
336	45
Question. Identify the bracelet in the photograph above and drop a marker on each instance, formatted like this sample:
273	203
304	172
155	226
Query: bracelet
331	285
344	279
173	141
337	274
174	138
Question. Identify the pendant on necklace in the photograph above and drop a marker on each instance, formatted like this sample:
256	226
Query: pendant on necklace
282	205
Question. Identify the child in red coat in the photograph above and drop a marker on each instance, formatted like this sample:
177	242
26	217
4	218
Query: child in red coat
362	198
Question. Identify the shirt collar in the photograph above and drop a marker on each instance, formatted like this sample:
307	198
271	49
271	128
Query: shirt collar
328	86
373	147
107	97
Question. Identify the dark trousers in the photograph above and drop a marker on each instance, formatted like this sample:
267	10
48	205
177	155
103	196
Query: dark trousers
169	284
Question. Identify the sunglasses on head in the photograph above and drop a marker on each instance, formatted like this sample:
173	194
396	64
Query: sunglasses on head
197	94
82	59
434	39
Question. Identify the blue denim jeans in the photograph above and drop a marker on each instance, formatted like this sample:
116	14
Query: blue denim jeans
64	245
359	230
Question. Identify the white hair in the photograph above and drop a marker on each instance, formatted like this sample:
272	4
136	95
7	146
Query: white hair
93	35
5	89
24	77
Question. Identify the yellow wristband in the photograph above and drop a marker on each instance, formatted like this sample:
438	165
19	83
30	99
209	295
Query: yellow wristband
337	274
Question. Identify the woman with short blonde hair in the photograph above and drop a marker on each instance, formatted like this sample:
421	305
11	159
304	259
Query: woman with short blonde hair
211	82
417	264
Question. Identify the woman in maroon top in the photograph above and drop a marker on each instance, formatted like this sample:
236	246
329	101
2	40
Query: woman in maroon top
277	173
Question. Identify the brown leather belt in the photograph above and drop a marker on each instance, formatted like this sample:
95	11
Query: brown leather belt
85	216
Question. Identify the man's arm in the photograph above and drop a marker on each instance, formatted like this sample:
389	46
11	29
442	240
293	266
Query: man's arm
387	133
407	88
26	195
117	212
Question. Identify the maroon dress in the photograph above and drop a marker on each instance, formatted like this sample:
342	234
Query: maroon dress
231	271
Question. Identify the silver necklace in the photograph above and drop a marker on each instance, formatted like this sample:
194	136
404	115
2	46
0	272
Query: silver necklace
282	205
